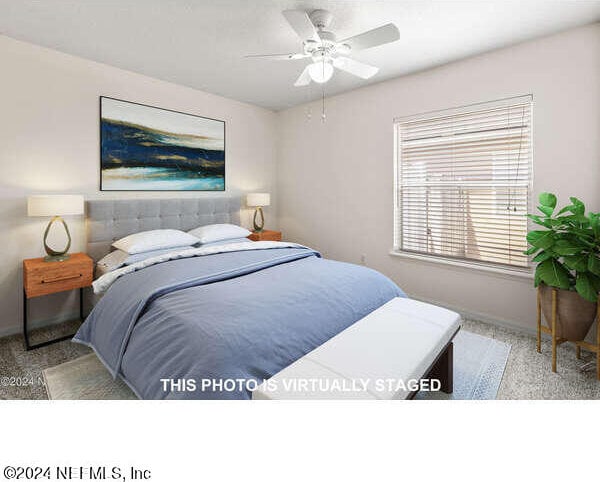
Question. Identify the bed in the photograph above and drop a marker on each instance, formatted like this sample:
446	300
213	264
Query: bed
185	328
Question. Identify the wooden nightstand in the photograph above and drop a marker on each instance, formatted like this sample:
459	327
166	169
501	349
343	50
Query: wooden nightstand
43	278
266	235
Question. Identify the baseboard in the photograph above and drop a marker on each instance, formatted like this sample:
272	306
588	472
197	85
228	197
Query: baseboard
32	325
473	315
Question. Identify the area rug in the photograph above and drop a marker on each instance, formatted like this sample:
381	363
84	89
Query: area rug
84	378
479	364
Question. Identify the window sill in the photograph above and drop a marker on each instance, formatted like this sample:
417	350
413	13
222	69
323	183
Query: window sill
526	274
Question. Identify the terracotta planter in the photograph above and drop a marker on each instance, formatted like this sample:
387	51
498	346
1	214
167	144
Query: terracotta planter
576	315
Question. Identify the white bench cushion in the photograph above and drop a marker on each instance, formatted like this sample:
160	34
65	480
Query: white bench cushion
399	341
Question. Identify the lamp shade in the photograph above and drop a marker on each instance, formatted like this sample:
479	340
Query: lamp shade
55	205
258	199
320	71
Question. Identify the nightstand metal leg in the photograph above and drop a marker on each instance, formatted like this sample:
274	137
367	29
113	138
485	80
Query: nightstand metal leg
81	305
28	345
25	332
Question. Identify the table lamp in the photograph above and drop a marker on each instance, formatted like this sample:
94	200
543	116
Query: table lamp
55	205
258	200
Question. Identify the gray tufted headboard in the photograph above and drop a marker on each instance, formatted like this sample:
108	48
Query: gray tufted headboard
109	220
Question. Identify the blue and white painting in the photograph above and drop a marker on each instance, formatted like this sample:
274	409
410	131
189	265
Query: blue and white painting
144	148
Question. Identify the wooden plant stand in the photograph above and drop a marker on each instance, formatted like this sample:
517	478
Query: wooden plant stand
594	348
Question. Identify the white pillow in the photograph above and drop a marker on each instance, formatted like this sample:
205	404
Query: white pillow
152	240
117	258
218	232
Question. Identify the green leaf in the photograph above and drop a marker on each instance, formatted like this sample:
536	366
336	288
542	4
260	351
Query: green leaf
560	221
578	206
576	209
583	219
540	221
594	264
542	256
576	202
582	231
541	239
531	251
546	210
565	247
585	287
595	281
577	262
595	223
536	278
567	208
553	273
548	199
580	219
566	219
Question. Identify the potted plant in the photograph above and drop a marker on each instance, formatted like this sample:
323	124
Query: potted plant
567	251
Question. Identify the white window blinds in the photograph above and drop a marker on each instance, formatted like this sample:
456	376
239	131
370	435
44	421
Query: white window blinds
463	183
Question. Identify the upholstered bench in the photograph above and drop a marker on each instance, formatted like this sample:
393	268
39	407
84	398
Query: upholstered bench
389	354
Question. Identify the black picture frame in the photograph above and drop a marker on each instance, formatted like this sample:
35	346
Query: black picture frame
102	188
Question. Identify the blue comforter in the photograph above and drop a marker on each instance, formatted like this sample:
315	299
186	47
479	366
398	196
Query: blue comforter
185	328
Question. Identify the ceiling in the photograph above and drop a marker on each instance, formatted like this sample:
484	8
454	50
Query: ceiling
202	44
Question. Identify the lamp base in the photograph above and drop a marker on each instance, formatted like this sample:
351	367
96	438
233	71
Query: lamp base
54	255
57	257
258	224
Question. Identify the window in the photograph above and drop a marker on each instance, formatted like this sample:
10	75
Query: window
463	181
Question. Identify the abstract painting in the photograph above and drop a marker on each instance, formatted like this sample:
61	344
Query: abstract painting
144	148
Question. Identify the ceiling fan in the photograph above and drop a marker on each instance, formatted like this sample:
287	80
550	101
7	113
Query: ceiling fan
326	53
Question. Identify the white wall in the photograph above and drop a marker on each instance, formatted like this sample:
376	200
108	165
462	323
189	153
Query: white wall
49	142
335	180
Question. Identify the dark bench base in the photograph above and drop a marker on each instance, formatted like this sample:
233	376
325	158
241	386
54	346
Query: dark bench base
442	369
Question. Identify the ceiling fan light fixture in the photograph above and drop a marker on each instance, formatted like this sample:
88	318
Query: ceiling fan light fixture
320	72
343	49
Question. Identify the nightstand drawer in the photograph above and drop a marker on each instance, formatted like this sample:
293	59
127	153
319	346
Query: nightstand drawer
43	278
265	235
38	284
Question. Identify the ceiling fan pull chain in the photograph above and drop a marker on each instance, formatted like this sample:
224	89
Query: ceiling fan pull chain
323	116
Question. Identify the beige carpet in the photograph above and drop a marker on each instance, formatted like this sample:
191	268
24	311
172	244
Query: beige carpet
84	378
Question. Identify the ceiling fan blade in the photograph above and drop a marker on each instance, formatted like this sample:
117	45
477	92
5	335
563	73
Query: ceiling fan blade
372	38
355	67
304	78
300	22
277	56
